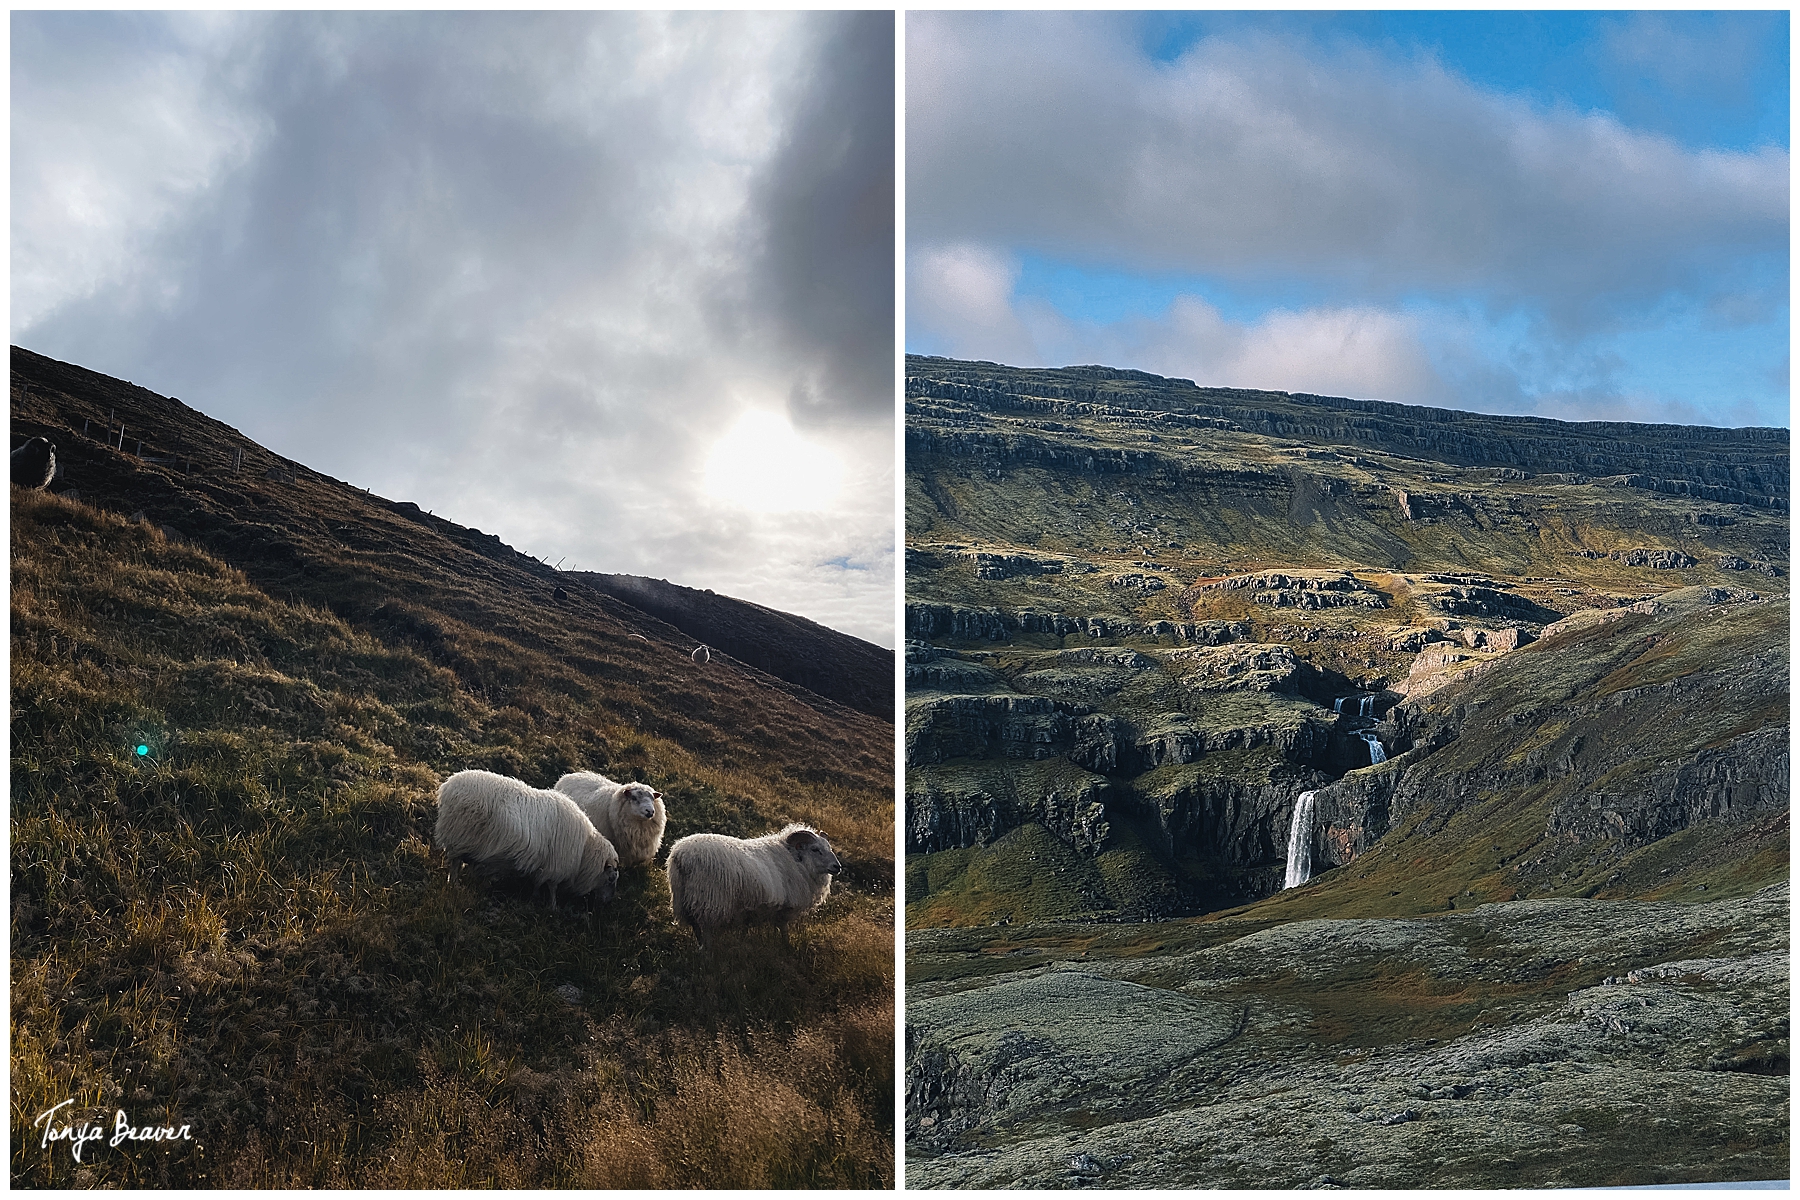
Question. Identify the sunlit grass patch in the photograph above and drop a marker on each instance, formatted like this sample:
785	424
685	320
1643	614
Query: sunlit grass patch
245	928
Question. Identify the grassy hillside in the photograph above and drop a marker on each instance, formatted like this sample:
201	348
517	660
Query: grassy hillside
1170	589
1508	696
244	928
852	672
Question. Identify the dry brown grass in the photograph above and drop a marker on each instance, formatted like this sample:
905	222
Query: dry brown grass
246	930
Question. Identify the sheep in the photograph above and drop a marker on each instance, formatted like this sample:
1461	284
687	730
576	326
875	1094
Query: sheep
715	880
505	823
701	656
34	463
629	815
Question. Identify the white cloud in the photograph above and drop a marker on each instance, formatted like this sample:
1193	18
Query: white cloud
1253	161
963	294
522	269
963	297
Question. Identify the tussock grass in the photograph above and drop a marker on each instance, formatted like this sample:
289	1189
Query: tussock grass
245	929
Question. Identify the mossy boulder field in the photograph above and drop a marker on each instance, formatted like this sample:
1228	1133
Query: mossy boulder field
1311	791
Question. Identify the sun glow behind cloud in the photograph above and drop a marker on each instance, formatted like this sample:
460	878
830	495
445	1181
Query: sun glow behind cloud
762	465
522	269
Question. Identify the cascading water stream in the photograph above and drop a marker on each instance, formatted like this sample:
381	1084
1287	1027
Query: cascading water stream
1299	859
1366	708
1337	706
1377	753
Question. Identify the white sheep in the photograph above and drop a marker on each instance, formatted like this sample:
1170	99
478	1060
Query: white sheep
715	880
503	823
629	815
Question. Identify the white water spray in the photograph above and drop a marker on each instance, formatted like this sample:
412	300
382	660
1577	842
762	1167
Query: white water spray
1337	706
1377	754
1299	860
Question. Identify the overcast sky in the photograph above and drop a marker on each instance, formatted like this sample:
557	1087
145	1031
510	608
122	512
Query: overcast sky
615	287
1571	215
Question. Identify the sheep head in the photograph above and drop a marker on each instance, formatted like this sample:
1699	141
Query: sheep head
639	800
600	864
812	851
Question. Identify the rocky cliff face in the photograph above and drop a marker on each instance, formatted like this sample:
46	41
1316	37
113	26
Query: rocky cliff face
1211	601
1545	731
1580	725
1747	462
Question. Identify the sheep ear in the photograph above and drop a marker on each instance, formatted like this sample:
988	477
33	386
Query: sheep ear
797	842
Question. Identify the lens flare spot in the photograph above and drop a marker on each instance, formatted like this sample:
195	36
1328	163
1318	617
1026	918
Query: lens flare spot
142	749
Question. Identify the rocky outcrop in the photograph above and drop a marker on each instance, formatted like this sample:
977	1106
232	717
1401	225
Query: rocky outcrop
953	820
1411	641
1138	582
927	667
1303	589
1007	566
1715	464
1655	557
1731	562
1734	782
1012	1050
1006	726
957	623
1298	1055
1489	602
950	814
1252	666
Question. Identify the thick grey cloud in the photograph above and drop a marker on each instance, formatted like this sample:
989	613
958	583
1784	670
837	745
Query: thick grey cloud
829	193
1256	160
525	269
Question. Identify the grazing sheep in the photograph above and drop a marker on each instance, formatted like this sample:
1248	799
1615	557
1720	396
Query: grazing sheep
629	815
701	655
508	824
717	881
34	463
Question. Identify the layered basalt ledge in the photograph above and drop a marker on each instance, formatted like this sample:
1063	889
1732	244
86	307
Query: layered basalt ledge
957	806
1303	589
951	622
1686	460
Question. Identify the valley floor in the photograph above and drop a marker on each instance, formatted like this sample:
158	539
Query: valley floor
1560	1042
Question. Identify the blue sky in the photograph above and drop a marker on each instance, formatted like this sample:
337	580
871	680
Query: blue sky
1580	215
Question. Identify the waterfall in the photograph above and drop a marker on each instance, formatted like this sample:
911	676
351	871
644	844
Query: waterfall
1337	706
1299	860
1367	707
1377	753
